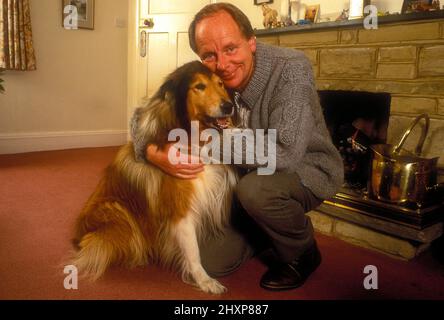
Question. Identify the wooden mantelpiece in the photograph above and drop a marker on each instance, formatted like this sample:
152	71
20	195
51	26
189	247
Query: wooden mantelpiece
383	20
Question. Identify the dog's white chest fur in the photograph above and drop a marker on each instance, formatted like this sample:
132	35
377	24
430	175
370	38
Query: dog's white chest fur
213	191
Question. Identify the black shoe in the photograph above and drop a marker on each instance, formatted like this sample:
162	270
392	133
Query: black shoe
292	275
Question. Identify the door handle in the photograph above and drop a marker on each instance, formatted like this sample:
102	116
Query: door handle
149	23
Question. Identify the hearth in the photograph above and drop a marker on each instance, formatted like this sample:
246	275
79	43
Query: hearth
356	120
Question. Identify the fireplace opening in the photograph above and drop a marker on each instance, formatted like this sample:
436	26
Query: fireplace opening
356	120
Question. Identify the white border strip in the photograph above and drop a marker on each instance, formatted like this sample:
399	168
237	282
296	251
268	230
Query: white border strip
44	141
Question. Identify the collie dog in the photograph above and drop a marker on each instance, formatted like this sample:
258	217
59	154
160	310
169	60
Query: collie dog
138	214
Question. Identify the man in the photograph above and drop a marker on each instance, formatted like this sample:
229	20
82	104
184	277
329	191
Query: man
274	89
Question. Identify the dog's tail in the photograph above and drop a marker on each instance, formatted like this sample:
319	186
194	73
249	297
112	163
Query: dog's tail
94	257
116	239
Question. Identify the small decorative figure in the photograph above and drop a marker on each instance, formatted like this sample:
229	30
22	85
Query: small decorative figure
343	16
280	24
270	17
382	14
288	22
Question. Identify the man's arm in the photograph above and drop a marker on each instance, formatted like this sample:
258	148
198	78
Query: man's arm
147	151
159	158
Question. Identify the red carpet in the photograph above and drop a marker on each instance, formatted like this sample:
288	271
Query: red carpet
41	194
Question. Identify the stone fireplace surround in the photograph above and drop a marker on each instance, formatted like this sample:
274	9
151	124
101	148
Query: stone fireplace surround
403	58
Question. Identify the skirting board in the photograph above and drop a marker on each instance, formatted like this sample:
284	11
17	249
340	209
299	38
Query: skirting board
45	141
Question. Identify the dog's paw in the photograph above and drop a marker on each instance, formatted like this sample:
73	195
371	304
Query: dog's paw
212	286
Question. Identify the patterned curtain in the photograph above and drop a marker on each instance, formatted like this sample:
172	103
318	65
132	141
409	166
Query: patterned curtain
16	49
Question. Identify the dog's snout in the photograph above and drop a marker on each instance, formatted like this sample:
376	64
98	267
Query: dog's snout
226	107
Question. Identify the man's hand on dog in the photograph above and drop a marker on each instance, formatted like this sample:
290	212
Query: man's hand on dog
189	168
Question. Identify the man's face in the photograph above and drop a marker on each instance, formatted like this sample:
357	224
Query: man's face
224	50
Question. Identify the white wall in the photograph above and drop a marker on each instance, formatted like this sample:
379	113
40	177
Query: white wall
79	88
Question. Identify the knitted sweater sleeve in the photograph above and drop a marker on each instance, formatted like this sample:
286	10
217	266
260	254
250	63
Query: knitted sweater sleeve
292	111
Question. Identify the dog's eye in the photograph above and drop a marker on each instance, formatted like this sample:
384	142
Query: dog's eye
221	83
200	86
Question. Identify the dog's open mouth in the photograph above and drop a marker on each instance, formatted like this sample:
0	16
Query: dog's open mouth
219	123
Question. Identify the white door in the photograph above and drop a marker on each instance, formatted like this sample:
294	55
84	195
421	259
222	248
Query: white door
165	45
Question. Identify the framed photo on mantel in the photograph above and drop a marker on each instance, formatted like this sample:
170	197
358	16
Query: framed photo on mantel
409	6
312	13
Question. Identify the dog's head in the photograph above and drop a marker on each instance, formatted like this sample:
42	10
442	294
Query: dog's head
198	94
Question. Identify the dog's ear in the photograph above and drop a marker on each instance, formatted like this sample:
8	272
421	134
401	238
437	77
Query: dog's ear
173	88
168	92
174	92
167	89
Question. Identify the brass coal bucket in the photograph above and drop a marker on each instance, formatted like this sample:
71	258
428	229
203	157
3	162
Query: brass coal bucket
399	176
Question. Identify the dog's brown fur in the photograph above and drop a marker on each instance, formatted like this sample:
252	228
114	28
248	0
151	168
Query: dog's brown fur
139	214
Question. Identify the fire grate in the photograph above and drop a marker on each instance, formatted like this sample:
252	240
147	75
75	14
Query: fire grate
356	120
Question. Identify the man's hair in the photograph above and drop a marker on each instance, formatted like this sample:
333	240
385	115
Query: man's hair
238	16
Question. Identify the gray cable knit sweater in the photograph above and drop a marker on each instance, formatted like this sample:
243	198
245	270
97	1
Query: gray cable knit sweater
282	95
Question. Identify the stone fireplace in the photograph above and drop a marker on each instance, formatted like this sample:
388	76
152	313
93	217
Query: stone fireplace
403	60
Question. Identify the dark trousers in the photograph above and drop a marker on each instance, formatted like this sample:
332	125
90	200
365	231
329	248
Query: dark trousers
270	212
